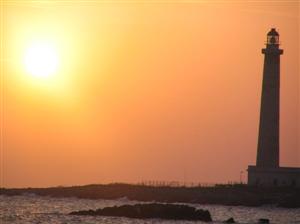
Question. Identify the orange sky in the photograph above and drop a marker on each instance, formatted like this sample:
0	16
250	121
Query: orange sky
163	90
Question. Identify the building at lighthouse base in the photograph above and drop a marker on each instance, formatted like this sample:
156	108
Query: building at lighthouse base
272	177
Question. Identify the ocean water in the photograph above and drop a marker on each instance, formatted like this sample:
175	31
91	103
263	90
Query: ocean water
33	209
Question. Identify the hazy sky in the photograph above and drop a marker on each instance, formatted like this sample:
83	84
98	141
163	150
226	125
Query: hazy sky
144	90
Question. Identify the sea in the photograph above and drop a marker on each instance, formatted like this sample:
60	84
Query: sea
33	209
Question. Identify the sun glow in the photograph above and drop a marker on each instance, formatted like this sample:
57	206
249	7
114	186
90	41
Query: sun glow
41	59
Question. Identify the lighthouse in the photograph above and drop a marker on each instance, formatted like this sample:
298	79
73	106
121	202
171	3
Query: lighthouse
267	171
268	138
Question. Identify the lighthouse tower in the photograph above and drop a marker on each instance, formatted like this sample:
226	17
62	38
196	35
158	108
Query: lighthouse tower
267	171
268	140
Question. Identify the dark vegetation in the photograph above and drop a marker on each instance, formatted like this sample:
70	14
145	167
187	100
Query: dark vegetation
150	211
220	194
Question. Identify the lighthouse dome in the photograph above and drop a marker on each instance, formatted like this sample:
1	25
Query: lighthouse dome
273	32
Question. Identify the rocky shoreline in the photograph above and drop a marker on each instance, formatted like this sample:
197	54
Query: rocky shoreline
232	195
151	211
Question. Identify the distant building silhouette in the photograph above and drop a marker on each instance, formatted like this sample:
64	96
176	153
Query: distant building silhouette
267	171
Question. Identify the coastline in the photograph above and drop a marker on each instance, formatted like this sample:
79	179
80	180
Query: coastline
233	195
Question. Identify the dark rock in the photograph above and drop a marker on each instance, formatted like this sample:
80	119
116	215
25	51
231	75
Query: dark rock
153	210
230	220
261	221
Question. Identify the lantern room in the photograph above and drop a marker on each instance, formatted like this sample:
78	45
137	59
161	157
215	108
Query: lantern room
273	37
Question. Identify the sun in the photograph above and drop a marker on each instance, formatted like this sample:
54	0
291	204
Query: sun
41	59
